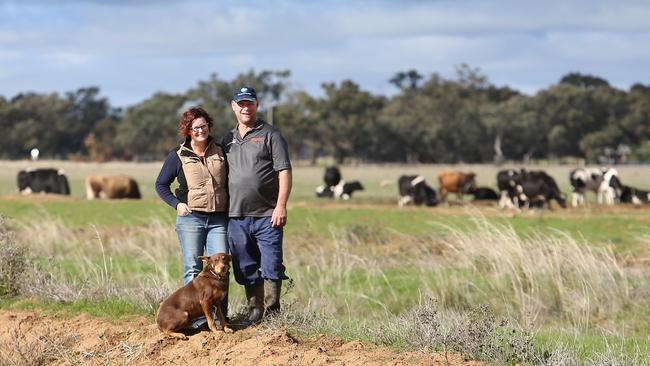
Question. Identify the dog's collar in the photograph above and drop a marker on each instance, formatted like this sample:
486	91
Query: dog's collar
218	276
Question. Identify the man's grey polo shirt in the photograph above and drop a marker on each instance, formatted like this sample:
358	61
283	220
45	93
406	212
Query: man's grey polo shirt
253	165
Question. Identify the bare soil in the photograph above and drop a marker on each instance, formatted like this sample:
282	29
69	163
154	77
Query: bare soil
36	337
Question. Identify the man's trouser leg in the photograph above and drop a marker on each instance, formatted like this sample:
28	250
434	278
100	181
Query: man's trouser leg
245	260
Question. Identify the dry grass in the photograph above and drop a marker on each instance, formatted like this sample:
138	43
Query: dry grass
543	275
12	262
539	279
27	348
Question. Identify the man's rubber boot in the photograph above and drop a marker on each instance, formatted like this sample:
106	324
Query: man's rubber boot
255	297
272	289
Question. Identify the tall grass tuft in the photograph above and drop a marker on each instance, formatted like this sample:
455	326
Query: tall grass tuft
100	263
547	275
12	262
543	277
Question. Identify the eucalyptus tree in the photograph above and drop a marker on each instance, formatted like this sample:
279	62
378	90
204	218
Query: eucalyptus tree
295	118
37	120
347	119
149	129
215	94
583	80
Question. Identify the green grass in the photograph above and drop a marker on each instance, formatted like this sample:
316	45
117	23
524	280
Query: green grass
71	269
83	213
586	344
622	228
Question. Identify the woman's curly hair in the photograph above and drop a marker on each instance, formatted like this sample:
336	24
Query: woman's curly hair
189	116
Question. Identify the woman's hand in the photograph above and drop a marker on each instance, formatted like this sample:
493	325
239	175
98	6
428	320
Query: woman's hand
183	209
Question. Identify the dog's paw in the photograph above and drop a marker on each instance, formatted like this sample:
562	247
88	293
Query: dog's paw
227	329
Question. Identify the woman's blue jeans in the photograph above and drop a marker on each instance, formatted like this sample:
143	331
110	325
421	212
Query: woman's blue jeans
200	234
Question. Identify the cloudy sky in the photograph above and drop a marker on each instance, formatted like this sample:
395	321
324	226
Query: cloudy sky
133	48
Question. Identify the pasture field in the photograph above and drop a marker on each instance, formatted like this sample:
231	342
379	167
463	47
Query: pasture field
576	276
307	178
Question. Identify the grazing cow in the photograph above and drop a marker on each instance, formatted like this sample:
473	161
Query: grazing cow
537	189
343	190
332	176
336	187
604	182
484	193
413	188
456	182
119	186
634	195
508	182
43	180
324	191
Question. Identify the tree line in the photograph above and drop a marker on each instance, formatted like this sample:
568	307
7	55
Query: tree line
429	120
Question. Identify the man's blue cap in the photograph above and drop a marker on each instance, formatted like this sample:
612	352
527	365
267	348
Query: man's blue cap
245	93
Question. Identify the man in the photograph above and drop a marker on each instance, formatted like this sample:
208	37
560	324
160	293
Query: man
259	182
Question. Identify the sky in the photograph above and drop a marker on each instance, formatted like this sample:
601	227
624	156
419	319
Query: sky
131	49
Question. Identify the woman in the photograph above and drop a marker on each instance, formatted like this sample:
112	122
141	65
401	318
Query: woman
201	200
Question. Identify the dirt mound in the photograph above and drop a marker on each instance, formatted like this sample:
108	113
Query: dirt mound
32	337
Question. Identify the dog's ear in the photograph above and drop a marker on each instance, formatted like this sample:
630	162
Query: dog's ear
203	257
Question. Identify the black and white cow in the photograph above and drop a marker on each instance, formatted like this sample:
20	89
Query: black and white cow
335	187
332	176
634	195
484	194
537	189
508	183
42	180
324	191
343	190
604	182
413	188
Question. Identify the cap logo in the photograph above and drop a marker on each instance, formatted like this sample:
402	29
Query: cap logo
243	90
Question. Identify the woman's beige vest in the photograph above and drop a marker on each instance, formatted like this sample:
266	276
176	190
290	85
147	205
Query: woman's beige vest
206	180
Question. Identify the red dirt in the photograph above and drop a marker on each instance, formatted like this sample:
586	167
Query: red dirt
34	337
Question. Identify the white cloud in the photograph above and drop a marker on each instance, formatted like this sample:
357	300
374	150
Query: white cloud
171	45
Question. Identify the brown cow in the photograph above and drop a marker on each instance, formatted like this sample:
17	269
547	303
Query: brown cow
119	186
456	182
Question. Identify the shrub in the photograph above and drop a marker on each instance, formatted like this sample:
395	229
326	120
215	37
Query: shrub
12	262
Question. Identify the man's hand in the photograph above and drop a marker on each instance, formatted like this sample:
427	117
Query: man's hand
183	209
279	217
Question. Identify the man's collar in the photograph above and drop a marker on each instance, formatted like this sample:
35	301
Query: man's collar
258	125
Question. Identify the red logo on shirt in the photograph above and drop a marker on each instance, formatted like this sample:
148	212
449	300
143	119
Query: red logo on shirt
257	139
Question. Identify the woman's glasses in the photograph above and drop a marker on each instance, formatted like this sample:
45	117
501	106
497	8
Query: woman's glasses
199	128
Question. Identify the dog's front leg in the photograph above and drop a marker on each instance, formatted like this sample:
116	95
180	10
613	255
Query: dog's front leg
222	320
206	306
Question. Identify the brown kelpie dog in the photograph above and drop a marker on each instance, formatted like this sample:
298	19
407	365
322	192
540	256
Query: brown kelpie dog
197	298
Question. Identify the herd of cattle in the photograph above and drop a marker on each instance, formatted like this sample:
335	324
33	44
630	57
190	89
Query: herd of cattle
517	188
97	186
